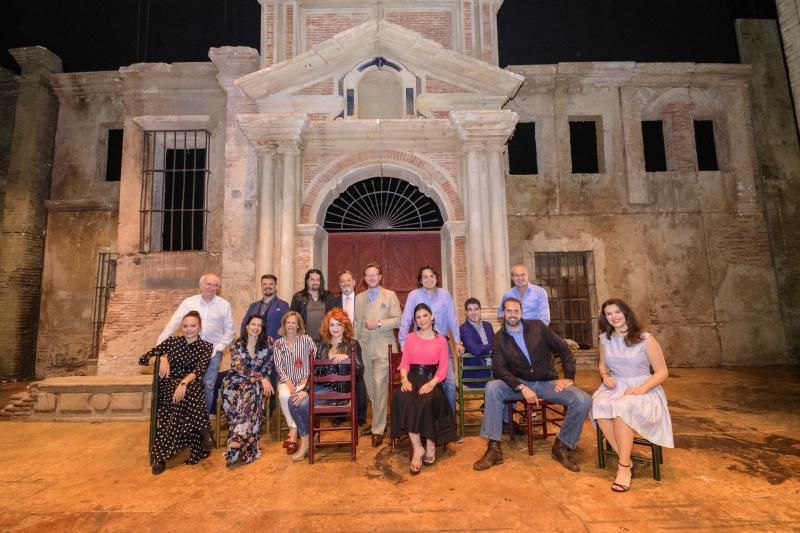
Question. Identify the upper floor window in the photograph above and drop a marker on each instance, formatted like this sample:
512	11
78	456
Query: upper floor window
586	146
174	200
379	88
114	155
522	150
705	145
655	153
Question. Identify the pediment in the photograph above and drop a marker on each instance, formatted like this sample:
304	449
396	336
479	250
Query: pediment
454	73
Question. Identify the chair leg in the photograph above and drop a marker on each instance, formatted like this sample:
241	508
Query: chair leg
219	420
601	455
656	455
511	421
529	420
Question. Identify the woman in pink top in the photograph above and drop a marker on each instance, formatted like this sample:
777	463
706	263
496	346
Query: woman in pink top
420	408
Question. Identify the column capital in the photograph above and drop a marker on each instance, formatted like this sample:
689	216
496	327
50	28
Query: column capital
233	62
287	131
488	127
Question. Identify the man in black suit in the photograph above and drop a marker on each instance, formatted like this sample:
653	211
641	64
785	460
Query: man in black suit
522	363
347	301
270	308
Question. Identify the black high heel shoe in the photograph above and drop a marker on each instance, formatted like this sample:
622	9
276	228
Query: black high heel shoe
619	487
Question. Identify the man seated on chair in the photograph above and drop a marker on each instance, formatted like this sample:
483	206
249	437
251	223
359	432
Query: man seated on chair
522	363
477	336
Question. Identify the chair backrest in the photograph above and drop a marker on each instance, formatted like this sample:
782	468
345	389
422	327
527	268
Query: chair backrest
350	377
469	362
394	373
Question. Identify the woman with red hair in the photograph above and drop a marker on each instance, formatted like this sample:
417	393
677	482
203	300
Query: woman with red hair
337	343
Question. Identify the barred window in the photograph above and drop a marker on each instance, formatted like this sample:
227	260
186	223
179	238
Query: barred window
568	278
174	201
104	288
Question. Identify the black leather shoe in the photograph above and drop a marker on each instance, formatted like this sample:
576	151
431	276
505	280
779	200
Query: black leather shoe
377	440
207	440
158	467
560	453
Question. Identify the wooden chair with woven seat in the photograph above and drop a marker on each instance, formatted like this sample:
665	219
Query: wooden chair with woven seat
530	417
656	458
394	383
345	406
465	394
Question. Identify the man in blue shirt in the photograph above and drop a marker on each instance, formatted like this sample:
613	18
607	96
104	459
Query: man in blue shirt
444	315
270	308
535	305
524	370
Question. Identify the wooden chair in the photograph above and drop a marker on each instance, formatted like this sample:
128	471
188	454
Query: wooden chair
656	458
466	394
154	408
531	417
394	384
317	412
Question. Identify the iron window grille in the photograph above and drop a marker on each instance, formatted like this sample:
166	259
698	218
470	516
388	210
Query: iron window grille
568	278
174	200
383	204
104	288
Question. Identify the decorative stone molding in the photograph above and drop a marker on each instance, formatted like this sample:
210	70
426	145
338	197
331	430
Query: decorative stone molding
87	85
482	126
61	206
264	130
175	122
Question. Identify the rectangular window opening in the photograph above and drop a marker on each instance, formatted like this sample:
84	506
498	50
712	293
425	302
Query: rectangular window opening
174	206
522	158
104	288
585	147
705	145
655	153
114	155
568	278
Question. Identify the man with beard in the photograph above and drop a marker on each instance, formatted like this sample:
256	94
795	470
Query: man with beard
270	308
522	363
310	302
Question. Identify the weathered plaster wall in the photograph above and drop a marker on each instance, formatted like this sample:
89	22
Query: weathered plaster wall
779	156
23	224
82	221
689	250
8	104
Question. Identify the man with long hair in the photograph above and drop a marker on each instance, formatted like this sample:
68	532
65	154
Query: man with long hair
310	302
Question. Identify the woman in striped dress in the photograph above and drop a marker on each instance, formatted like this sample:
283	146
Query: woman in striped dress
293	351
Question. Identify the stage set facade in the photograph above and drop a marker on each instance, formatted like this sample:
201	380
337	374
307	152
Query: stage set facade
366	131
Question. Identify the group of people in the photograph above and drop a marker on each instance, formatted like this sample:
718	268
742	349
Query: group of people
278	340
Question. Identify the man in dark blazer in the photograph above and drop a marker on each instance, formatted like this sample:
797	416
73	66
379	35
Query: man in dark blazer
270	308
523	367
347	300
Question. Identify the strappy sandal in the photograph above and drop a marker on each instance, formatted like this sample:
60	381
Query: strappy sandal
428	460
415	469
619	487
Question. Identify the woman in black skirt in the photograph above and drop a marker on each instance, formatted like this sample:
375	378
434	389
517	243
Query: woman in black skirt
420	408
182	414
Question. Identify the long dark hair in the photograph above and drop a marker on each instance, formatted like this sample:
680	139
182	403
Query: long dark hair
634	334
261	341
428	309
322	292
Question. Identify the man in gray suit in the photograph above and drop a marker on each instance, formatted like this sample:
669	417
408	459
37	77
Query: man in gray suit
377	312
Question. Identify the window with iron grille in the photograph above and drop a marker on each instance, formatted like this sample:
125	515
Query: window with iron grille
174	201
568	278
104	287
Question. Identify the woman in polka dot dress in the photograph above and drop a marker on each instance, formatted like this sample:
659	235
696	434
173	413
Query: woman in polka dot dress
182	415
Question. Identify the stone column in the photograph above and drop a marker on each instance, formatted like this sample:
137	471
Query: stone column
483	135
288	218
267	215
24	216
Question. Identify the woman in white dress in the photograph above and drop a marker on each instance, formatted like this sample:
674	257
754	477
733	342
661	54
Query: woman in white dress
631	399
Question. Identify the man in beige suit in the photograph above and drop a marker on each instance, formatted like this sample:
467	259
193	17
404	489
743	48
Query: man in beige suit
377	313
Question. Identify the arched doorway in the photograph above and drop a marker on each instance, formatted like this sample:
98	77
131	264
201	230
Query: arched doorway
386	220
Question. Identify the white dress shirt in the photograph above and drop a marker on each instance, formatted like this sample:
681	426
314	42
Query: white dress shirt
216	316
349	302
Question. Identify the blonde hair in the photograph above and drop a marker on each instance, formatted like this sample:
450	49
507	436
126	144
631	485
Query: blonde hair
301	326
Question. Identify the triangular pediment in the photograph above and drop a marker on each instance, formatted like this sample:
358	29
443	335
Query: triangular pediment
454	72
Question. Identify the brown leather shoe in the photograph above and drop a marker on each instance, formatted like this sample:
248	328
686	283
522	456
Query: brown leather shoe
377	439
366	431
560	453
492	456
207	441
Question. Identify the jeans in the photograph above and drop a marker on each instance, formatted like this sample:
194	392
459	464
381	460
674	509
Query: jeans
300	412
449	385
210	381
578	405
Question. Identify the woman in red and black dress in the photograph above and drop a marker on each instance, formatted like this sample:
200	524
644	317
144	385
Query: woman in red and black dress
182	414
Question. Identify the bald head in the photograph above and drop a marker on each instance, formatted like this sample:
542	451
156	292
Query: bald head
519	276
209	285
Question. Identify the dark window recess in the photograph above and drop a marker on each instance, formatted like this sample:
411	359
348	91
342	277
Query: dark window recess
184	198
705	145
568	278
583	147
522	150
410	101
104	288
655	153
351	102
114	155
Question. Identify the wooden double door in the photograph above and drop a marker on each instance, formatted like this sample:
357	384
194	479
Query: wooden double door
400	254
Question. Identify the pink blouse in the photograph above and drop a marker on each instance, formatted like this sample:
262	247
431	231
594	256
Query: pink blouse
433	351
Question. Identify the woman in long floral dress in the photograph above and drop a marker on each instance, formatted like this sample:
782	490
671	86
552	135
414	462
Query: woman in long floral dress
182	415
244	389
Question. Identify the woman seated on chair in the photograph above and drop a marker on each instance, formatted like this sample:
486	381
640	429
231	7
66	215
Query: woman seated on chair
420	408
292	354
243	391
631	399
336	343
182	414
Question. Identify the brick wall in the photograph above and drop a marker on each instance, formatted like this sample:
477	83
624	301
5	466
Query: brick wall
434	25
468	50
289	35
321	27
